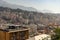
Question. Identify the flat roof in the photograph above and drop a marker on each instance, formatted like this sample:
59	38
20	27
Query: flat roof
17	30
13	28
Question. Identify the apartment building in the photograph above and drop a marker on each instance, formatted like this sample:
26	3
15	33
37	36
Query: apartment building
14	32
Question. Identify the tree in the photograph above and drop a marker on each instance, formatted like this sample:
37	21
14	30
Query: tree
57	34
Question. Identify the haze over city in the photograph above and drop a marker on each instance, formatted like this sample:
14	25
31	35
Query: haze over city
48	5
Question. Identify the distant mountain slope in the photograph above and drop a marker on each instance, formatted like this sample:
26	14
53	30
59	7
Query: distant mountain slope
18	16
14	15
5	4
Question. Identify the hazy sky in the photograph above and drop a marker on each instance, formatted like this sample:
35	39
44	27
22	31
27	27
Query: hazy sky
52	5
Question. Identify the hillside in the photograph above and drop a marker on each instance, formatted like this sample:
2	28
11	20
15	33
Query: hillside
19	16
14	6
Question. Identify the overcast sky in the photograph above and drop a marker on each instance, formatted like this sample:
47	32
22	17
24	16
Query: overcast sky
52	5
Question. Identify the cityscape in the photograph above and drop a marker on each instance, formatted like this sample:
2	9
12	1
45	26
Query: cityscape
29	20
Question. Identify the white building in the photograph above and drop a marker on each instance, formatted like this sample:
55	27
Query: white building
41	37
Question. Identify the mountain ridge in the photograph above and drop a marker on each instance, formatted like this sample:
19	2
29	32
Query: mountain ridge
14	6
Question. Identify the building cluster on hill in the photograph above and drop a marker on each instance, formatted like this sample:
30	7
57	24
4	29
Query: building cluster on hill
18	32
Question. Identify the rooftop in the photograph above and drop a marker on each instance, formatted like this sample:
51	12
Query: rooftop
41	37
13	28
